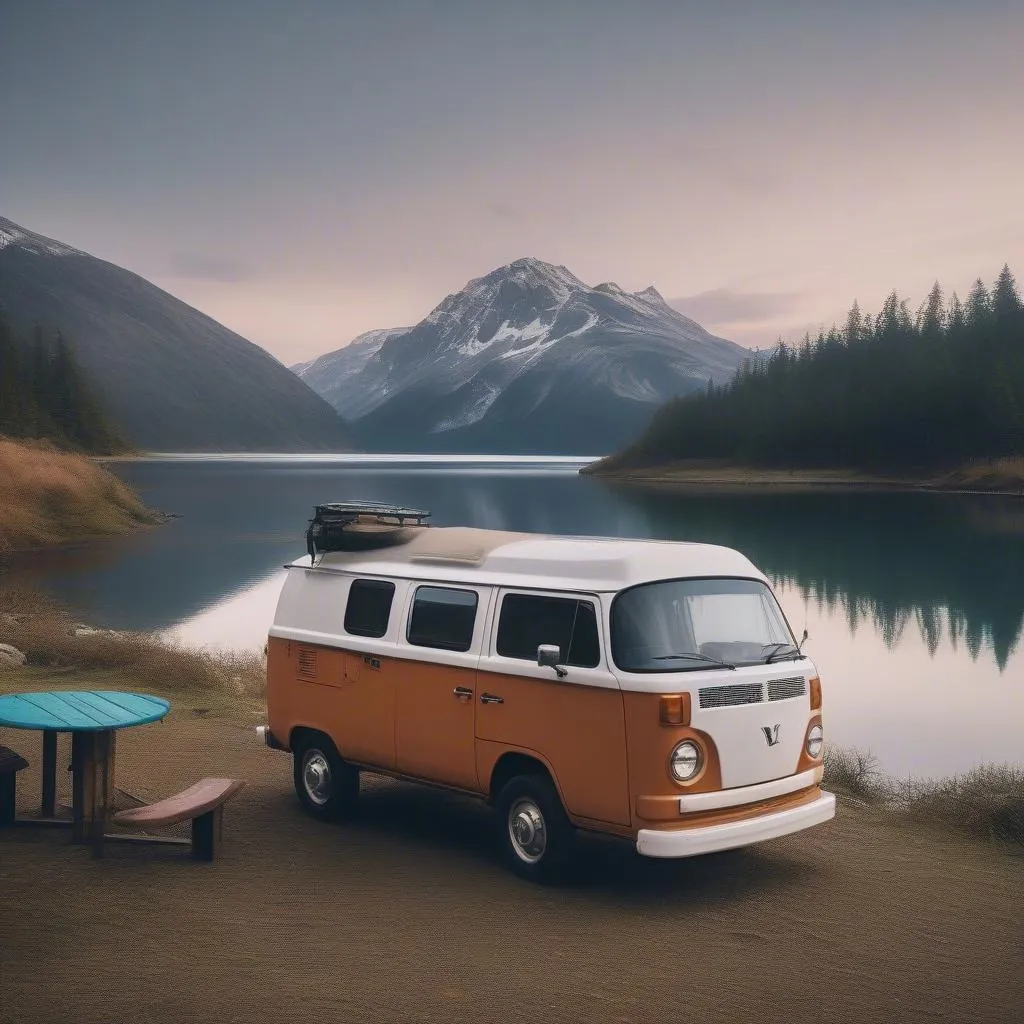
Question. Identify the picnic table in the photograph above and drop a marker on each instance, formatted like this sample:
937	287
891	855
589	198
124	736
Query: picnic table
93	718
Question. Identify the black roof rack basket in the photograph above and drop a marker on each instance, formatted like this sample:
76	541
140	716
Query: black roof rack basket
380	524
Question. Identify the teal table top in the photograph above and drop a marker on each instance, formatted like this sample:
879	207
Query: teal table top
80	710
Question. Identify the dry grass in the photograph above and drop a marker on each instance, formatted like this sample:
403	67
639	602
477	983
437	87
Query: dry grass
987	802
49	496
855	773
46	634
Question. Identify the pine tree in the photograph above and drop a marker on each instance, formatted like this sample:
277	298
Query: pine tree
43	394
931	317
956	319
977	304
12	413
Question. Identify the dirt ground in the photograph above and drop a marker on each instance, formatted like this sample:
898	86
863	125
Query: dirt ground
408	915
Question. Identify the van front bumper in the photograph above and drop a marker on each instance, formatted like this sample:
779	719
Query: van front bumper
691	842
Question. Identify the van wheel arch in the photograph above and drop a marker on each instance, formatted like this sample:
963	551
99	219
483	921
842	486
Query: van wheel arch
304	732
513	763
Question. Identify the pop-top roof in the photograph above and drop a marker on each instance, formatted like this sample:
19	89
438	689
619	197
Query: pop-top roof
540	561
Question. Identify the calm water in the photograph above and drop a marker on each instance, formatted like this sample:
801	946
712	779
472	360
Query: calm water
914	602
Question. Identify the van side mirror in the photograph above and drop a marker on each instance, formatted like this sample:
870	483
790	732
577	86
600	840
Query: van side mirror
550	655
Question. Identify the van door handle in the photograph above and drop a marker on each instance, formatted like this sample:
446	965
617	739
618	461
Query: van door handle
490	698
462	691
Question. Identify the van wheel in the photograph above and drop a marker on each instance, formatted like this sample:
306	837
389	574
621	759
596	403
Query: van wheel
537	836
326	786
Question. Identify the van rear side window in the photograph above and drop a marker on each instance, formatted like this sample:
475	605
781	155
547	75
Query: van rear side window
443	617
528	620
369	607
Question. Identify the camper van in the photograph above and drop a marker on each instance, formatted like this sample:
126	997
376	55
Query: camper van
649	690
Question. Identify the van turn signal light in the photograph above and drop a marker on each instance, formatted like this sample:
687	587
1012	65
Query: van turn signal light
675	709
815	693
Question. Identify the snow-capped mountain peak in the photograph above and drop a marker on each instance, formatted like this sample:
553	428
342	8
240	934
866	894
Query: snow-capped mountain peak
527	339
15	234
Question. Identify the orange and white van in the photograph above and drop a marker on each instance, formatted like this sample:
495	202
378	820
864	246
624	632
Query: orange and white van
647	689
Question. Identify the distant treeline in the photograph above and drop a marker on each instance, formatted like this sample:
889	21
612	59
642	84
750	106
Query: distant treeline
44	394
937	388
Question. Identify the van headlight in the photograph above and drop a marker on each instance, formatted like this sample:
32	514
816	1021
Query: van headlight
815	738
685	760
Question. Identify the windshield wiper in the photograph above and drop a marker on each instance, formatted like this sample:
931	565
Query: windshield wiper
693	655
785	651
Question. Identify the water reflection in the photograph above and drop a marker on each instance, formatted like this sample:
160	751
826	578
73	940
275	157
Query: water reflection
948	566
951	564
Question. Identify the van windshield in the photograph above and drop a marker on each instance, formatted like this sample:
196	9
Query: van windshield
685	625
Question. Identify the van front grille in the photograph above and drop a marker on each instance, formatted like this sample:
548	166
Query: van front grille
784	689
752	693
724	696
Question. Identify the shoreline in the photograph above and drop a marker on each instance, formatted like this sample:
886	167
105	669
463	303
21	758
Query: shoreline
704	474
1003	477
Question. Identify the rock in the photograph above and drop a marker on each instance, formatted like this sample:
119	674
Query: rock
11	657
8	619
82	630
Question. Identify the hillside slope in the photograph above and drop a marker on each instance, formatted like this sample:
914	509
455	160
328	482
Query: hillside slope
170	377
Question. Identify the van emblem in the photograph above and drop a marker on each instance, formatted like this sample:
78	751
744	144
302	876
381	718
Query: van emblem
771	734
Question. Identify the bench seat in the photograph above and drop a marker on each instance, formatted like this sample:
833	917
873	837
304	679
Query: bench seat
11	762
202	804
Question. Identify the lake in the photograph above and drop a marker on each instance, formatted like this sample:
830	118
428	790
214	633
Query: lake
913	601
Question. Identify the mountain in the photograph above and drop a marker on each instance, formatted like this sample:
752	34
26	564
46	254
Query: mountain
526	360
170	377
334	370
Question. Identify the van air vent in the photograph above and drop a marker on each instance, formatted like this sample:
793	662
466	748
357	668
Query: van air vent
307	663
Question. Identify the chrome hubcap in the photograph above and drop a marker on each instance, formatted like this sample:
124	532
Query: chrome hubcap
526	830
316	777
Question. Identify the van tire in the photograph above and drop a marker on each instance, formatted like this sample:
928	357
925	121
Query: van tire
326	786
534	801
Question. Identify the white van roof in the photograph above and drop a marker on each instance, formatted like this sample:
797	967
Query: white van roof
533	560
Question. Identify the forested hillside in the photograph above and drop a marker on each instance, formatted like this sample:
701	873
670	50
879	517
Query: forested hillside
934	388
43	394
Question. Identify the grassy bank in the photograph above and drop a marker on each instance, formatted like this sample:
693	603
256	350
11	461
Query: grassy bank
49	496
56	645
987	802
996	475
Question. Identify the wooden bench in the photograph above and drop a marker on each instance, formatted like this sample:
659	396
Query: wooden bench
202	803
11	762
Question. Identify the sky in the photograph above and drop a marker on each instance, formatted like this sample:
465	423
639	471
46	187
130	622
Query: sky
305	170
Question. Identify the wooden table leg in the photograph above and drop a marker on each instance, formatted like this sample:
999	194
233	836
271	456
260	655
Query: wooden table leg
49	801
92	764
78	759
105	747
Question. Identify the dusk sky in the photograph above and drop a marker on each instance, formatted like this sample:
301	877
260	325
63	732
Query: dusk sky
306	170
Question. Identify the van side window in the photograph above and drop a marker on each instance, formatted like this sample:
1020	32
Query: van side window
527	621
369	607
443	617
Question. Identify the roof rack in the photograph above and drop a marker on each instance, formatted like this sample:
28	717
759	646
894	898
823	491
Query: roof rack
354	525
